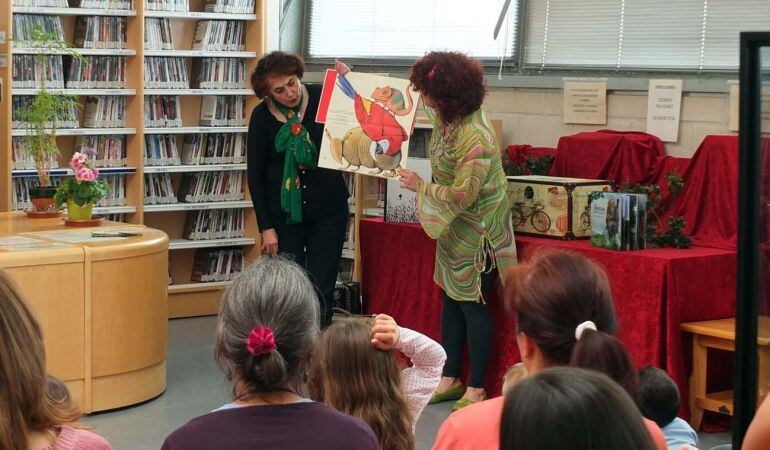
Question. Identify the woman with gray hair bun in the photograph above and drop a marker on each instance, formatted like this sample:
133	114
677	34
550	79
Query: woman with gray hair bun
268	325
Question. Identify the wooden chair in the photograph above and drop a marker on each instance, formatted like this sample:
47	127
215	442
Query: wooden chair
720	334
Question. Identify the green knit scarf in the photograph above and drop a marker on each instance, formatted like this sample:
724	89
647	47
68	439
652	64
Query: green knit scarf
300	150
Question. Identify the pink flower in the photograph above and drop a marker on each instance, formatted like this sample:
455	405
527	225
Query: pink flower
84	174
95	171
261	341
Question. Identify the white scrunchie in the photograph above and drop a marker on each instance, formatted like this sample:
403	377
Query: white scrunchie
587	325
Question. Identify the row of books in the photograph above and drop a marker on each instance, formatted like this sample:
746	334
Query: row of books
165	73
22	160
230	6
222	264
110	150
219	73
116	194
100	32
158	189
215	148
68	118
346	271
105	111
619	221
157	34
162	111
221	186
41	3
350	236
25	24
161	150
30	70
102	4
222	111
167	5
214	224
219	35
97	72
198	149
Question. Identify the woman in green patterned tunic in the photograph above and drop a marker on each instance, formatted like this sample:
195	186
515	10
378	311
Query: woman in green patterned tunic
465	208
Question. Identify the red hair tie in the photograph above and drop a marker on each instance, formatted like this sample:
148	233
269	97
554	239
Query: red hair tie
261	341
431	73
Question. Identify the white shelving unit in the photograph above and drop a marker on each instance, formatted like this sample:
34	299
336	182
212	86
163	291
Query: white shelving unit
195	130
77	91
195	15
199	54
81	131
199	168
82	51
197	206
73	11
198	92
177	244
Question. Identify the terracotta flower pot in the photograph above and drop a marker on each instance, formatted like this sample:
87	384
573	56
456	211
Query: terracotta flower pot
75	212
42	199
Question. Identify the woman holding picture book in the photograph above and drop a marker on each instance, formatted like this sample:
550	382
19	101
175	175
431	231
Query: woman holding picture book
302	210
465	208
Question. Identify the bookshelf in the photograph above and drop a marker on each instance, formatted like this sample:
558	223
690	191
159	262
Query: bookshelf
135	95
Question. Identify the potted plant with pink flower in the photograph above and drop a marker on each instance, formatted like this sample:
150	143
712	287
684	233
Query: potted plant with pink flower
82	191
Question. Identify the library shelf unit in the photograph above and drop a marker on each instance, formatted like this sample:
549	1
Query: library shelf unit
186	297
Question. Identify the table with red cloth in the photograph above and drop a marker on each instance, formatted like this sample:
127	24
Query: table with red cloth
654	292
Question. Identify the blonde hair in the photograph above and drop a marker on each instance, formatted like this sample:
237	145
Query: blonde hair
353	377
22	370
513	376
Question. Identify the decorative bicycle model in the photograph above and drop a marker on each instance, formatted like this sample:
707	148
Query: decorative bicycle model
538	218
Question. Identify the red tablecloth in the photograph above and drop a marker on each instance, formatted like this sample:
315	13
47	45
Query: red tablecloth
518	153
654	291
608	155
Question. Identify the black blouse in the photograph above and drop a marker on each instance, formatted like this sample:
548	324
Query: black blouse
323	190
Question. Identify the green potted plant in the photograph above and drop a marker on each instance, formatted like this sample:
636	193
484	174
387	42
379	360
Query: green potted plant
41	118
81	191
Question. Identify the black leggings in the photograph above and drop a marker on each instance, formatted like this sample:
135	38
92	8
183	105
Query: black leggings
467	320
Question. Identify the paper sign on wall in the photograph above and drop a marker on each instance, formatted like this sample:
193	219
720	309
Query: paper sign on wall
585	102
664	103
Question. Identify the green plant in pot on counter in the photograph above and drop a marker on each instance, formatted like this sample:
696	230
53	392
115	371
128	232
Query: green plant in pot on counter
42	116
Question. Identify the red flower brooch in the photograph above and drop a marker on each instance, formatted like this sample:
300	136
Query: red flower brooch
296	127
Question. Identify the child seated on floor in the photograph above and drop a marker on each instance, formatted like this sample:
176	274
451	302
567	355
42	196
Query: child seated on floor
355	372
513	376
658	399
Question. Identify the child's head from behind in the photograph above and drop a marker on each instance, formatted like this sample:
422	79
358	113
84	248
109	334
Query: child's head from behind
352	376
657	396
575	408
59	402
268	323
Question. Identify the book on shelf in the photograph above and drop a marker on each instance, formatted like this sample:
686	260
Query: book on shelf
25	24
96	72
114	217
161	150
217	264
157	34
109	150
219	73
30	70
100	32
22	160
230	6
68	117
214	148
222	111
223	186
162	111
116	194
219	35
158	189
105	111
350	236
167	5
346	270
214	224
102	4
164	72
41	3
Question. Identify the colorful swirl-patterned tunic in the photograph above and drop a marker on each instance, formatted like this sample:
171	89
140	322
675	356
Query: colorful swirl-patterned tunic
466	208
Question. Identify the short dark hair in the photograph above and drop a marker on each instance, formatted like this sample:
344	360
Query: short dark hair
576	408
657	396
453	80
274	64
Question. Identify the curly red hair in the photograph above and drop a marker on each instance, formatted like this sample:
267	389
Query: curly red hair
453	80
275	63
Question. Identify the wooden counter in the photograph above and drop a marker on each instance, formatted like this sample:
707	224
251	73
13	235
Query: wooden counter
102	305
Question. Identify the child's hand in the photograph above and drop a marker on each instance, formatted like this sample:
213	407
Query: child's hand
385	332
341	67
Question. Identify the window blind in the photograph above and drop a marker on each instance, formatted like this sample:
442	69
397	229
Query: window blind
648	34
394	29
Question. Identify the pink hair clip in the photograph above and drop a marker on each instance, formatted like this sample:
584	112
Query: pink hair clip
431	73
261	341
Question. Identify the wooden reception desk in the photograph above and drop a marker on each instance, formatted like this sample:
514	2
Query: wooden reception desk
101	303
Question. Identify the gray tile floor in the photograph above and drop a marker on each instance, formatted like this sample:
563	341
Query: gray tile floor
196	386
